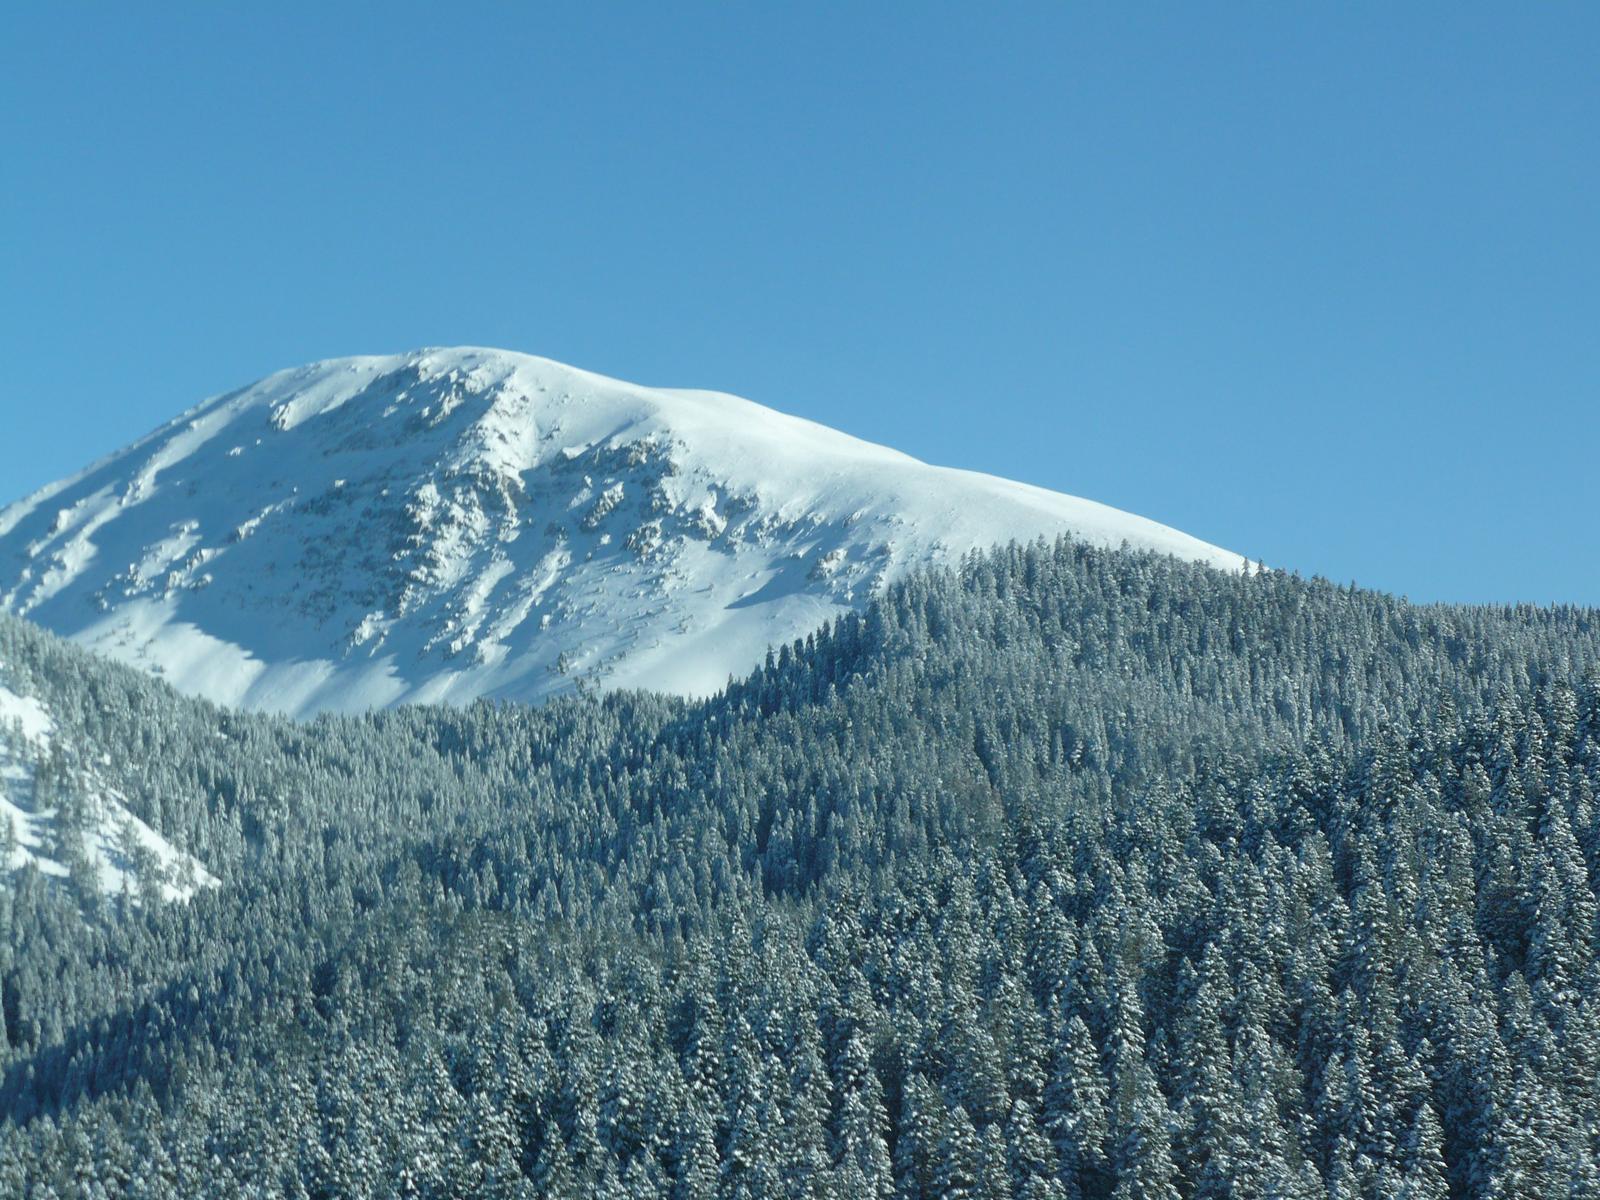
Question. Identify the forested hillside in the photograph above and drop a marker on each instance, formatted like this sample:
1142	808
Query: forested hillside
1069	873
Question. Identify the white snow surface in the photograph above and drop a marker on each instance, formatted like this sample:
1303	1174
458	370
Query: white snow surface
116	846
455	523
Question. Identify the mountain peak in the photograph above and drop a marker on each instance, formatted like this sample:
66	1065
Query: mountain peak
457	522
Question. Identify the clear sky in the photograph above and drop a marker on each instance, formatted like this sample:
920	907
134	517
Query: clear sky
1320	284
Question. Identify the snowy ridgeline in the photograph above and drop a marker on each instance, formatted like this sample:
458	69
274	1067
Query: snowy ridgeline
449	524
66	821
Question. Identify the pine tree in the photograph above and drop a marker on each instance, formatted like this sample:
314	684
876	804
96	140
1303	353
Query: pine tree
1422	1174
695	1153
1075	1109
958	1159
1141	1159
861	1152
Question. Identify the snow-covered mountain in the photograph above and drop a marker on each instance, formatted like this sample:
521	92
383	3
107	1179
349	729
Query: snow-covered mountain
448	524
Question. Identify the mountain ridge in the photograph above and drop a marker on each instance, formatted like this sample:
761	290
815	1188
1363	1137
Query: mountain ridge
460	522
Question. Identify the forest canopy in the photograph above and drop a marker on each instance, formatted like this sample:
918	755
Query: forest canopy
1063	873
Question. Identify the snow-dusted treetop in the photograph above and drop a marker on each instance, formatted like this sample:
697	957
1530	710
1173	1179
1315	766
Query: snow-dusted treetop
456	523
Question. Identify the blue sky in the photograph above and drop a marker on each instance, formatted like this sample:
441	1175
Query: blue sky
1319	284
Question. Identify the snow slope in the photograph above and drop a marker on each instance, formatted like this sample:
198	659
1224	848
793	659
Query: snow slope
116	848
448	524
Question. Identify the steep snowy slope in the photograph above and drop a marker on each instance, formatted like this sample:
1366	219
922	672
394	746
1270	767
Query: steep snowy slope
56	809
457	523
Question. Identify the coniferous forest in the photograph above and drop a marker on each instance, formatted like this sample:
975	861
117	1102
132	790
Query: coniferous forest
1064	874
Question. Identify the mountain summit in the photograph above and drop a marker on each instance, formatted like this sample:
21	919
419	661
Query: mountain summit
448	524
